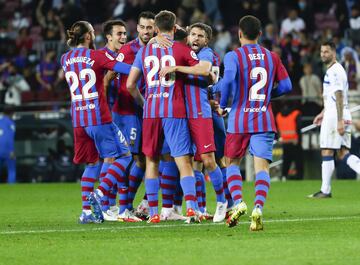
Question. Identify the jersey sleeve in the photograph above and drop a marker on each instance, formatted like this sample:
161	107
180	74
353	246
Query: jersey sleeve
190	56
280	71
335	80
206	55
138	60
229	76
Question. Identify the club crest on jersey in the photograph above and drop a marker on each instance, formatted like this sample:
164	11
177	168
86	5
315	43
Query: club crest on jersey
193	55
120	57
109	56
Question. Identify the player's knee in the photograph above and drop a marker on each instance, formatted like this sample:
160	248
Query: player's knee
109	160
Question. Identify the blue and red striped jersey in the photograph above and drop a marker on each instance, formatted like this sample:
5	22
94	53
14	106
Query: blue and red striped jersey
196	93
125	103
164	98
256	71
84	72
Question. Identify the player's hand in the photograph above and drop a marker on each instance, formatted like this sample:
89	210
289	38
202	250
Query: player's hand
222	112
318	119
163	42
341	127
214	104
167	70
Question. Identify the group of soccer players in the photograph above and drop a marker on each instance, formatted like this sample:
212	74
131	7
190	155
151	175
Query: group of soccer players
169	106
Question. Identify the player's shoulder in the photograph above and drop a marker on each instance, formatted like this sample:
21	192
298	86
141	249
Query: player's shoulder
179	45
335	70
101	53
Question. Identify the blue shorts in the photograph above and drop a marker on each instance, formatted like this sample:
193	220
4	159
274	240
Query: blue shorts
165	148
174	130
131	127
108	139
219	135
260	144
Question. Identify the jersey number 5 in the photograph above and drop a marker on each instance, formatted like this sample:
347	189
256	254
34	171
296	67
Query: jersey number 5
73	79
166	60
254	94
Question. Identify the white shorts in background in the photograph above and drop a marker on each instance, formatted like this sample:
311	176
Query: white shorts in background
329	136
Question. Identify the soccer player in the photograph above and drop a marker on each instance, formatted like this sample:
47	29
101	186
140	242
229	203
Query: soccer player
250	73
94	133
127	114
115	34
335	120
7	139
199	115
165	112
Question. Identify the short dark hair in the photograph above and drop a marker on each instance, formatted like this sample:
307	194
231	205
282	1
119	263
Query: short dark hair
165	20
76	34
250	26
180	34
329	43
146	15
108	26
204	27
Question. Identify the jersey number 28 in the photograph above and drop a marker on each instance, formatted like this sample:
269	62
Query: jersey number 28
166	60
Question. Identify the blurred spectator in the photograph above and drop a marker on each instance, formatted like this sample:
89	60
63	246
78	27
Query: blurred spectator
19	21
292	24
15	84
311	89
23	40
270	34
355	25
52	27
46	71
7	139
350	62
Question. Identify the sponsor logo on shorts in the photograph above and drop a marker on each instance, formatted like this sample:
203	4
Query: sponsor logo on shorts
262	109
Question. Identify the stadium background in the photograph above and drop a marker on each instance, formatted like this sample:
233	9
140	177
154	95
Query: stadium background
32	38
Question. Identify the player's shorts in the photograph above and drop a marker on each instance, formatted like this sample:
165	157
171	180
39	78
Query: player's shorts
260	144
219	135
202	134
103	141
131	127
174	130
329	136
165	148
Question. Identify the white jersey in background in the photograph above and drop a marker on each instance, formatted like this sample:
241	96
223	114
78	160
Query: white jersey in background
335	80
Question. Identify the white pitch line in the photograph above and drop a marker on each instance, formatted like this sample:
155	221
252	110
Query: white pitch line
151	226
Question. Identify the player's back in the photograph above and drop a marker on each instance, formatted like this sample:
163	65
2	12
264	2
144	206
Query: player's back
125	103
257	69
165	96
84	73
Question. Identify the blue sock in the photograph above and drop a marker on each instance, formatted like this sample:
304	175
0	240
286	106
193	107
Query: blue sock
188	187
234	181
168	183
88	179
178	196
217	182
262	185
199	178
105	199
226	189
112	195
135	177
152	189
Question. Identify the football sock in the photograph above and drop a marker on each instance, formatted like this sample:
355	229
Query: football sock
152	189
112	195
353	162
168	183
262	185
11	167
234	181
217	182
178	197
327	169
226	189
105	199
199	178
88	179
188	187
135	177
203	191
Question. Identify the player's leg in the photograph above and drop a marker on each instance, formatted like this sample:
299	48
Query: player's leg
235	148
177	135
351	160
261	146
11	170
199	183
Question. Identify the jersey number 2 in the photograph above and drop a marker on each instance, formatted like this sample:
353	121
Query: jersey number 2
254	94
75	80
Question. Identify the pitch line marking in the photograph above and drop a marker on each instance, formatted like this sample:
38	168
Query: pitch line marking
114	229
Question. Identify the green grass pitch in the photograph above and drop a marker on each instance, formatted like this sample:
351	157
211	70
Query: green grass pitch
38	225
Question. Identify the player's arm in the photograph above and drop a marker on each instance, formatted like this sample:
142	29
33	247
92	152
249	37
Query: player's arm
318	119
202	68
134	77
281	77
110	76
108	62
340	108
225	84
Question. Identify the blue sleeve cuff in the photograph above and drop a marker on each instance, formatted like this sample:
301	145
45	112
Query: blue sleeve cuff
122	68
284	87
